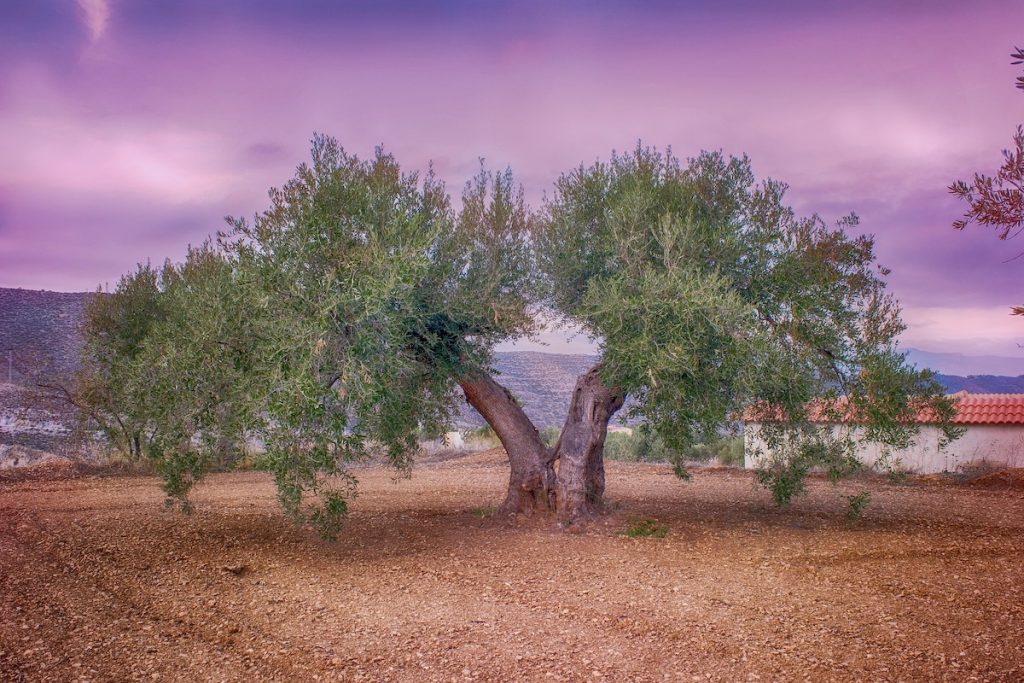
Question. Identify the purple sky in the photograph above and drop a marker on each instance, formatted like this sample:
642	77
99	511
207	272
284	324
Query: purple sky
130	128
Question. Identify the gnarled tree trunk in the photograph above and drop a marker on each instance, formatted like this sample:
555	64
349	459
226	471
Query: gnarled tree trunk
580	448
531	486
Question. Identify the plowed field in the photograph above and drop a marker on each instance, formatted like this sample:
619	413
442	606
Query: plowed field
99	582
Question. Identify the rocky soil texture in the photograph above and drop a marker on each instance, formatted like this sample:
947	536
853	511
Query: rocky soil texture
99	582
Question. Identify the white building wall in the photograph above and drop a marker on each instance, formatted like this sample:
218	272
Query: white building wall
995	444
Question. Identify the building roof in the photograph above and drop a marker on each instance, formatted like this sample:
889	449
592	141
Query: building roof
971	409
995	409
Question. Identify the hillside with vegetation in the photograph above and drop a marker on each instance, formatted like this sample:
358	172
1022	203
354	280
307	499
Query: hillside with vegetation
39	334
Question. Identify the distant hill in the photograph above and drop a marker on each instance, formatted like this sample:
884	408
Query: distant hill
542	381
983	384
40	329
960	365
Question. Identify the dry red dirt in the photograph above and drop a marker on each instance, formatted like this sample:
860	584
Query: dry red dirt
98	581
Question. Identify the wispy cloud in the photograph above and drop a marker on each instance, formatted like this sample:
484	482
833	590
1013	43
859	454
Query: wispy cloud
971	330
96	15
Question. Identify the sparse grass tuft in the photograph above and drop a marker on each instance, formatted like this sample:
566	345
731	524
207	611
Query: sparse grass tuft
646	528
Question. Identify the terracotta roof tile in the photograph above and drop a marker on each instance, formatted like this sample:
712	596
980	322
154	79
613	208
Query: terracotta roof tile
972	409
1007	409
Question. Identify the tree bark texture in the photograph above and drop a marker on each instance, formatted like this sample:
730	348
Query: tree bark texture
580	448
531	486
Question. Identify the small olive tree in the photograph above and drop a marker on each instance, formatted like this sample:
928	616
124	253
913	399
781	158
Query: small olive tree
166	366
115	328
193	379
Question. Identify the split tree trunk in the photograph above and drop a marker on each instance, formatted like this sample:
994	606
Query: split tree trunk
580	448
531	486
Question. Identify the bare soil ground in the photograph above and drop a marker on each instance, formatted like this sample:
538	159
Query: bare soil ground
98	581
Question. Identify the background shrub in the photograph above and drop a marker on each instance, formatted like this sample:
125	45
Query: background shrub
480	439
643	445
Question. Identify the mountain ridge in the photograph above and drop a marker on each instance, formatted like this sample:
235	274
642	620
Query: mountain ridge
963	365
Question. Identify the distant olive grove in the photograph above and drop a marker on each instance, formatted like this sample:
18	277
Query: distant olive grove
357	312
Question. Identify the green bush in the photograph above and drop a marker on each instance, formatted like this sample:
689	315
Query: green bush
620	446
730	451
253	460
644	445
727	451
857	504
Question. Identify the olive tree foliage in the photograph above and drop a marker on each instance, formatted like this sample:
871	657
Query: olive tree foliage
344	320
710	297
114	330
369	298
193	377
165	363
998	201
337	324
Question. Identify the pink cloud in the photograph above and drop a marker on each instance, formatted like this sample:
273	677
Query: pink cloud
95	16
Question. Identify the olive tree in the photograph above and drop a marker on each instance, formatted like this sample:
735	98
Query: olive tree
166	364
350	318
193	378
709	296
114	331
374	304
354	314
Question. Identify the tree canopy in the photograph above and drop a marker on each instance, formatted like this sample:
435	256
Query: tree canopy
371	298
346	319
115	330
167	366
710	295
